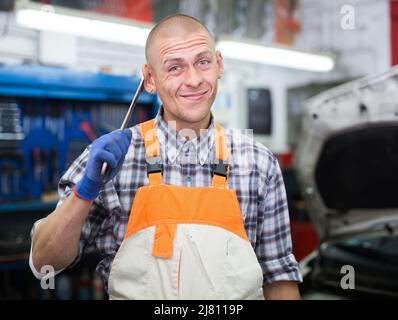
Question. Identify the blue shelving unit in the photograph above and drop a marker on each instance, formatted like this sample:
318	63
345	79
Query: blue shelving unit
35	205
58	83
60	112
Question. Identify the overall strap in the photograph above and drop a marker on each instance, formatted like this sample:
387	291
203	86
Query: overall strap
153	159
221	167
152	152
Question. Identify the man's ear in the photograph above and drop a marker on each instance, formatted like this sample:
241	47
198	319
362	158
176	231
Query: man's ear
220	64
149	82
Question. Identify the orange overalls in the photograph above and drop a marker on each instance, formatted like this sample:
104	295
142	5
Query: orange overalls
185	242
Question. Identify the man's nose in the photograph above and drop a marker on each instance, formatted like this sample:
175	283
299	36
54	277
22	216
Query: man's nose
193	78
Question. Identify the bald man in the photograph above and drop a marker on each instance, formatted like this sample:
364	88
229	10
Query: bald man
183	67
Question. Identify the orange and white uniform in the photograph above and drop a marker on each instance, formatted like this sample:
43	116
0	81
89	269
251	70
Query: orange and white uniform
185	242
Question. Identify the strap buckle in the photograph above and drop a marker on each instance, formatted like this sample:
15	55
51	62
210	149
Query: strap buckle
154	165
221	169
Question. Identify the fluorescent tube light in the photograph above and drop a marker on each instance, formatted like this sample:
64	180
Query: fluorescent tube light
81	26
275	56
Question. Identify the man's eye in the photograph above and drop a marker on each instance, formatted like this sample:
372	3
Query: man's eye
204	62
173	68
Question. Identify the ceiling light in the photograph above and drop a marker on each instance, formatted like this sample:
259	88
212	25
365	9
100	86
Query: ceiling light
82	26
275	56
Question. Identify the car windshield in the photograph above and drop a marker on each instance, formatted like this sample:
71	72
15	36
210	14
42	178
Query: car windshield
383	245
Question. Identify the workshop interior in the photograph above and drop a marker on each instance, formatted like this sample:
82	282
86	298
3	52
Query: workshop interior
315	81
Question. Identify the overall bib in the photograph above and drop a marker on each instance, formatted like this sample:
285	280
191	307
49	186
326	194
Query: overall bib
185	242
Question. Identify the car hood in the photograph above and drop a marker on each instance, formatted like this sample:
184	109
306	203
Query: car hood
346	160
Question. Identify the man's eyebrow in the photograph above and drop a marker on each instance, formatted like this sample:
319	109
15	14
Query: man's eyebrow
203	53
172	60
181	59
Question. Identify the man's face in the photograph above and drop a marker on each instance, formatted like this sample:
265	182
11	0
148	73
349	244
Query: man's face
185	70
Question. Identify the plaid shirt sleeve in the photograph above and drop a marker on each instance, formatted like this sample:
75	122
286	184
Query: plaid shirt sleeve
94	224
274	245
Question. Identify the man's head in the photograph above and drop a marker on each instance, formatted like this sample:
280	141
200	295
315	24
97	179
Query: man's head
183	67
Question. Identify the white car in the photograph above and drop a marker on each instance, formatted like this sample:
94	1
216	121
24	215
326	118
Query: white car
346	164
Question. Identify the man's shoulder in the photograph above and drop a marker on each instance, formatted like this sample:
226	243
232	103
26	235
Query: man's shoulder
136	133
136	130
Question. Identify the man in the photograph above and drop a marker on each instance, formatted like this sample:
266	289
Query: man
184	68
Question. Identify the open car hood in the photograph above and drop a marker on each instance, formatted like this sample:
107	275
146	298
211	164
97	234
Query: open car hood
346	160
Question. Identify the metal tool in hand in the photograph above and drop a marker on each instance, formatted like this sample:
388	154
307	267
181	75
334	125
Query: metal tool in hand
105	168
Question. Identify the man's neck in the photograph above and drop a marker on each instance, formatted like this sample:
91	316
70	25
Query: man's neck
178	125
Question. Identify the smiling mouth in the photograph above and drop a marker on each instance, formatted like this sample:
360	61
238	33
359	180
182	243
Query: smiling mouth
194	96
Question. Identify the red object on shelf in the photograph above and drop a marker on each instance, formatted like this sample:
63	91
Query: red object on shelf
86	128
286	24
285	160
304	238
140	10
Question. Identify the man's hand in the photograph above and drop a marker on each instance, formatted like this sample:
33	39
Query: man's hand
56	240
282	290
110	148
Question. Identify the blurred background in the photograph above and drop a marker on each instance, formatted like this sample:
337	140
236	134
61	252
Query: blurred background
314	79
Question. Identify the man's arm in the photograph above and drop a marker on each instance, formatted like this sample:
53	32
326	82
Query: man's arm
56	239
281	290
274	250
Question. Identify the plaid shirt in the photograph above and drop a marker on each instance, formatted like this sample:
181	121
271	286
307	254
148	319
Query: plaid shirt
254	175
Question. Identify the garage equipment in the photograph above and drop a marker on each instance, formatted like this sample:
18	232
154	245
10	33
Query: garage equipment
347	157
48	116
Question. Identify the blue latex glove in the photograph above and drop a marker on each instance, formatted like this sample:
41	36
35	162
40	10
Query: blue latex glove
110	148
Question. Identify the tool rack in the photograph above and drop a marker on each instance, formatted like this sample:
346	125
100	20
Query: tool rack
48	116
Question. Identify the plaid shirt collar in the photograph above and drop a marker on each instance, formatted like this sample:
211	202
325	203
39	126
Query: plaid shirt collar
172	143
